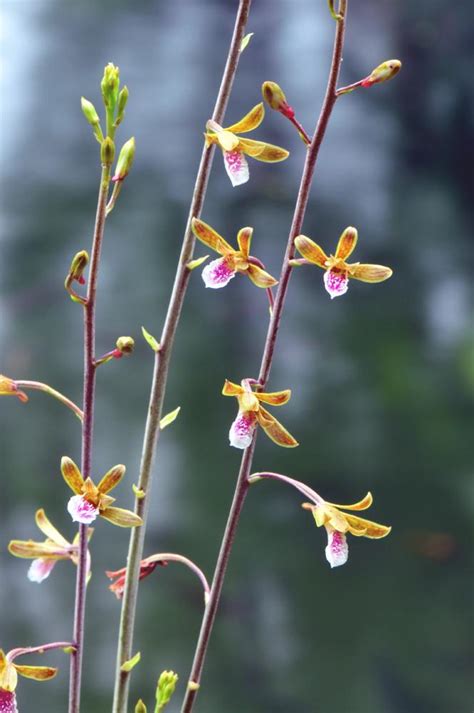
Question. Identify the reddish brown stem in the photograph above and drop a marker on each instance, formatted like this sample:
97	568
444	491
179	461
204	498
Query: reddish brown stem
265	367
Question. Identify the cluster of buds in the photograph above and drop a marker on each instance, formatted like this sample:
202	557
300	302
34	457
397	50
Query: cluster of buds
165	688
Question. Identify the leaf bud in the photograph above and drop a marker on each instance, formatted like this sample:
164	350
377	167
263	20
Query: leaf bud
121	104
125	160
107	151
385	71
276	99
125	345
140	707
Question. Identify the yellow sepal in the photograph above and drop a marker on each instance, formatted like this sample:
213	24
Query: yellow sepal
274	430
311	251
250	121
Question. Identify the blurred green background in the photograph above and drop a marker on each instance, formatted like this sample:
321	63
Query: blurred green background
382	379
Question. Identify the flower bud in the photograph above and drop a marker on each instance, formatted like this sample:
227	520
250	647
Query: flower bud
140	707
125	345
107	151
276	99
78	265
121	104
89	111
385	71
110	85
165	688
125	160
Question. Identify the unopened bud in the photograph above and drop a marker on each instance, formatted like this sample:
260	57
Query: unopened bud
125	345
276	99
78	265
140	707
110	85
165	688
121	104
89	111
125	160
385	71
107	151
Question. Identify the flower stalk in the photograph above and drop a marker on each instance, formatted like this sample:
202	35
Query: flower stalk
242	485
160	372
39	386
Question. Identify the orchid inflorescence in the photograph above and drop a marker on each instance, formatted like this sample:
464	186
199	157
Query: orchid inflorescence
90	501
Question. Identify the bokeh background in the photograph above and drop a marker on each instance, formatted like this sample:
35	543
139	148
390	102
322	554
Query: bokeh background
382	379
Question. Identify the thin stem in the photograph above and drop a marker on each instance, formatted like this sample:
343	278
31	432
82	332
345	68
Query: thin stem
301	130
349	87
266	363
87	434
160	373
38	649
38	386
172	557
302	487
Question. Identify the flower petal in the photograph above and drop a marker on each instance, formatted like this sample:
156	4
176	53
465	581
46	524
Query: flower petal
242	429
259	277
8	674
38	673
210	237
81	510
244	240
275	430
237	167
72	475
336	282
111	479
363	504
121	517
275	398
337	550
40	569
311	251
370	273
218	273
347	243
27	549
250	121
225	138
366	528
48	529
268	154
7	701
231	389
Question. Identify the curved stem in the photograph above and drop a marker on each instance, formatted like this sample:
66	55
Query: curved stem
266	363
38	386
160	373
39	649
87	434
304	489
172	557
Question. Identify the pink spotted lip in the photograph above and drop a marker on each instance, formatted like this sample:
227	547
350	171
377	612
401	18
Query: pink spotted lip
40	569
241	431
237	167
337	550
7	701
217	274
336	283
81	510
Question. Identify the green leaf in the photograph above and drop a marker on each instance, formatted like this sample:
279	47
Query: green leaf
131	663
169	418
246	40
153	343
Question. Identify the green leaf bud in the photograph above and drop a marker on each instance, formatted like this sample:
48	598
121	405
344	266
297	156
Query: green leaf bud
140	707
107	151
125	160
121	104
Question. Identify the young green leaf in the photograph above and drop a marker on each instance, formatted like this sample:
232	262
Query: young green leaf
169	418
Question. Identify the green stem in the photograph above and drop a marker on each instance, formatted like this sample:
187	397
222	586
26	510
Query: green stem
38	386
242	485
87	435
160	374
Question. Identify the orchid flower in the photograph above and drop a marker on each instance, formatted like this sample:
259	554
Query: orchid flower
91	500
8	387
338	523
234	147
251	413
219	272
337	270
46	554
9	677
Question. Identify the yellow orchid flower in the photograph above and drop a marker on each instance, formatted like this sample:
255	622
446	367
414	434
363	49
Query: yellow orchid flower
91	500
46	554
251	413
9	677
234	147
8	387
219	272
338	524
338	271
